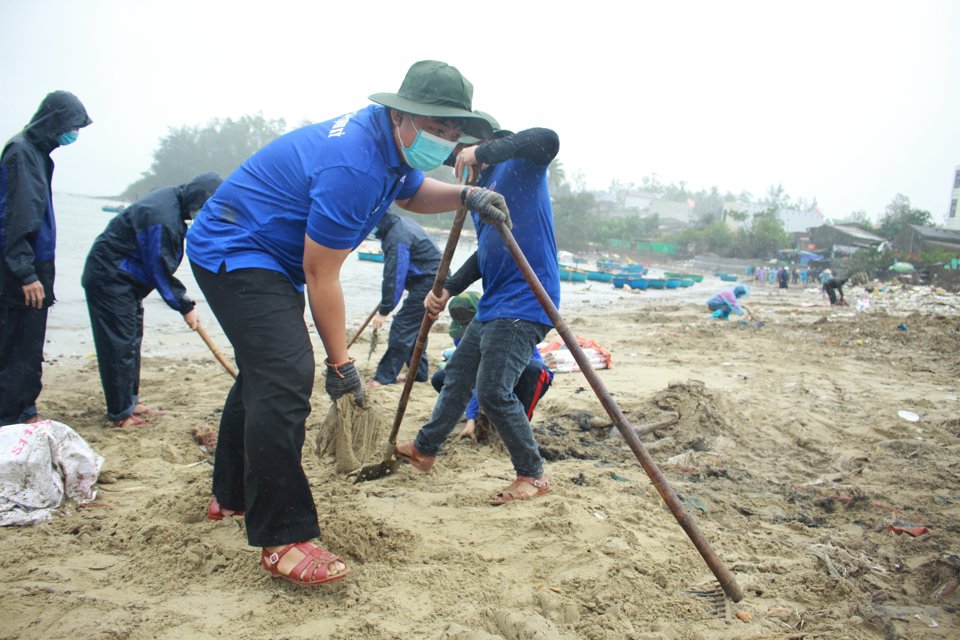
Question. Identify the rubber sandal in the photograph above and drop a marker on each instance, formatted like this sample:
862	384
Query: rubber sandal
215	512
310	571
132	420
148	411
511	493
407	451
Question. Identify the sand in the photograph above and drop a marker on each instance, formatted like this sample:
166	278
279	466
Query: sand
788	451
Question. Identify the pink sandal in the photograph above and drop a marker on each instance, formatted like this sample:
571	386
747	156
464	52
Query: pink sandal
310	571
511	493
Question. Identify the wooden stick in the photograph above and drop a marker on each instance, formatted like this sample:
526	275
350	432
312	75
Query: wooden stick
216	352
364	325
727	582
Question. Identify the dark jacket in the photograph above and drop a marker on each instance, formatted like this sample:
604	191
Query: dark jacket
28	229
410	257
143	246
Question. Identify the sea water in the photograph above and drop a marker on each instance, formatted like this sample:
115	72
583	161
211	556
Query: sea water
80	219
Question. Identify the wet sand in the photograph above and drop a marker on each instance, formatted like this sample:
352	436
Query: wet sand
788	451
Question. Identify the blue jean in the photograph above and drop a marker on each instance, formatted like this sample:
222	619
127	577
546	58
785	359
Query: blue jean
491	355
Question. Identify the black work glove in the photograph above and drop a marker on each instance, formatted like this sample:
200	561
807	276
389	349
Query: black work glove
343	379
490	205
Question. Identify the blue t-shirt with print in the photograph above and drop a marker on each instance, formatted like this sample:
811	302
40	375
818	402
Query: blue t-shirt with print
506	293
331	181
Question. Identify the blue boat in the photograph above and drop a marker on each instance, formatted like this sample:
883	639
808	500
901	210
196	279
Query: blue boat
726	277
657	283
370	256
638	283
673	283
599	276
619	281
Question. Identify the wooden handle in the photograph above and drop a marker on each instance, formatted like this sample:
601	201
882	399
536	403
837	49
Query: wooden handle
426	323
727	582
364	325
216	352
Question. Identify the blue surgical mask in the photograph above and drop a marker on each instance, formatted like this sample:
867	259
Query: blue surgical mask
68	138
427	151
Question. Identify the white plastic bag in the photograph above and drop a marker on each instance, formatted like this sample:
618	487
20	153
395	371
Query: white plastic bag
40	463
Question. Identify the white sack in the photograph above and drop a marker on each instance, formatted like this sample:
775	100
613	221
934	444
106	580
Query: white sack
39	464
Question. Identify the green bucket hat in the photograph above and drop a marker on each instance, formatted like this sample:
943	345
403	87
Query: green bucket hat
435	89
462	309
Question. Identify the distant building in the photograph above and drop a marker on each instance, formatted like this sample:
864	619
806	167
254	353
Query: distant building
833	240
794	220
953	220
915	239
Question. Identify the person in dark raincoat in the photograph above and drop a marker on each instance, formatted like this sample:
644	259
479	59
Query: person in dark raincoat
138	252
410	261
28	238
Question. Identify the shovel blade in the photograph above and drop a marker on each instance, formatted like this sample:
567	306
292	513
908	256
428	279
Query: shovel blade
376	471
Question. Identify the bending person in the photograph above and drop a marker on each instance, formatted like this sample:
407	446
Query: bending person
139	251
727	301
410	261
283	223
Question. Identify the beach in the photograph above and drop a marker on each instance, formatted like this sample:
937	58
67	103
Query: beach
788	449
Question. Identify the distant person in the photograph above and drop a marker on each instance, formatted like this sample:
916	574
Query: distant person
139	251
282	223
783	278
410	261
834	287
510	321
28	238
727	301
533	384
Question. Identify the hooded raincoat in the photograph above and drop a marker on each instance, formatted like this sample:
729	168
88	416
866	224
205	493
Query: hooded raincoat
28	239
138	252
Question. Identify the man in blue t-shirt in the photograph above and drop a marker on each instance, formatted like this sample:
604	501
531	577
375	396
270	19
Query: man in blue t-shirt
282	223
510	321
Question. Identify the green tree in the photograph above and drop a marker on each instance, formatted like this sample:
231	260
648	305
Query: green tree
557	179
219	146
899	214
574	224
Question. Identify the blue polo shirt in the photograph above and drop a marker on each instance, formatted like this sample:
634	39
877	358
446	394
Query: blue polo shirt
506	293
331	181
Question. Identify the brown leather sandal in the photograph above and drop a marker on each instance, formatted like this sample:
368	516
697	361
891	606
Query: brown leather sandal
310	571
408	452
513	492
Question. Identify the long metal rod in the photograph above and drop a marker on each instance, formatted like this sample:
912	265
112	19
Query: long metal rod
425	324
727	582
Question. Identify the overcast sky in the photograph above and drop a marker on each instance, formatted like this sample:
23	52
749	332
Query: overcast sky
847	102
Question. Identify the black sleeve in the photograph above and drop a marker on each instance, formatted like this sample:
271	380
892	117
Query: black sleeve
537	145
465	276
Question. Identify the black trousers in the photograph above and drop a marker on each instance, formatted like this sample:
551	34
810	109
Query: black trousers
403	338
116	317
257	466
22	332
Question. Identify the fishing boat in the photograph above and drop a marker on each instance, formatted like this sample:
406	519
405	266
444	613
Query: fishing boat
657	283
600	276
370	256
673	283
684	276
638	283
726	277
113	208
572	274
